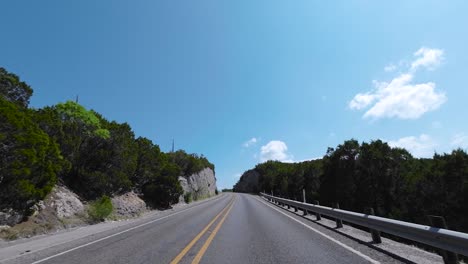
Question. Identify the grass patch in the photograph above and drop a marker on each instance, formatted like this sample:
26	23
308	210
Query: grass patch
9	234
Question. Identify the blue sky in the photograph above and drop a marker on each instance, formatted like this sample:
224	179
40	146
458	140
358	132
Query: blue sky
245	81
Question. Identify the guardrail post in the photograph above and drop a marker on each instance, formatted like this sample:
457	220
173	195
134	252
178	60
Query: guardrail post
339	222
319	217
304	201
439	222
375	233
295	208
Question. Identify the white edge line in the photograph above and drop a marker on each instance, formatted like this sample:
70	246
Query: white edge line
322	234
113	235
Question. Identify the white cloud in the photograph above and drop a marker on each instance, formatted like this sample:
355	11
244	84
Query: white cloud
237	175
250	142
421	147
275	150
361	101
460	141
400	97
390	68
428	58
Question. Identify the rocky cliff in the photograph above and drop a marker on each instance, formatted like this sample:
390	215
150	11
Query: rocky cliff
200	185
248	182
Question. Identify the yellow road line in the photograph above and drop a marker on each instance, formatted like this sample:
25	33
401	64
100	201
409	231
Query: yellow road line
179	257
205	246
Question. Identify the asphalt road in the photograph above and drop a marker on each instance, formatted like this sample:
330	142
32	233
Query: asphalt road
233	228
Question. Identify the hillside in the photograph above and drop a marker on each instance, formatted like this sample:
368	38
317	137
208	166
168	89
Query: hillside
68	147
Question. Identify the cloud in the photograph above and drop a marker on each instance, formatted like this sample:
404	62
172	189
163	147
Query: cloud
460	140
361	101
250	142
237	175
421	147
275	150
401	98
390	68
427	58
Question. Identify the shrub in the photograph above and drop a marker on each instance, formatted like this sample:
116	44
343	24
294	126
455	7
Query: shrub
216	192
100	209
188	197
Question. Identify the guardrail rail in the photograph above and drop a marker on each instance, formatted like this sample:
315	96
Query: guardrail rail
449	240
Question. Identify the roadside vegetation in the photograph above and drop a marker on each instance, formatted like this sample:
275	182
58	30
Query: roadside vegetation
390	180
95	157
100	209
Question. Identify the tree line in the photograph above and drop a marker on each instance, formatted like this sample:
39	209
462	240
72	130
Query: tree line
80	148
388	179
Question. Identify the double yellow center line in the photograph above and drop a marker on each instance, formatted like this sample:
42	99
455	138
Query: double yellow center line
207	243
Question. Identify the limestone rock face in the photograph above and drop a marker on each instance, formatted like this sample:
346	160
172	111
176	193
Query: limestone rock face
64	202
248	183
128	205
10	217
60	203
200	185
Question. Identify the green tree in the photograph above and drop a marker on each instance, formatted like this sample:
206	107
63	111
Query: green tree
149	162
105	164
165	189
189	163
380	177
337	183
94	148
29	159
13	89
444	189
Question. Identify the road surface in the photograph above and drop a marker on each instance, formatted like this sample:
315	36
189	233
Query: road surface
231	228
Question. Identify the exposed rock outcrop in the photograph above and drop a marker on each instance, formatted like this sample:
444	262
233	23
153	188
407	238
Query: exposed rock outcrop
200	185
65	202
10	217
60	209
128	205
61	202
248	182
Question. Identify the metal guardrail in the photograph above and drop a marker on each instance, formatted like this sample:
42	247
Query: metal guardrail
445	239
